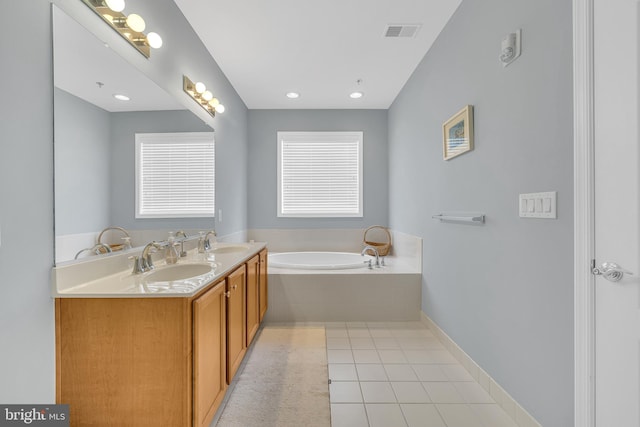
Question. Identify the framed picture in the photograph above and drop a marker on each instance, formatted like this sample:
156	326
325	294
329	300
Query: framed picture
457	133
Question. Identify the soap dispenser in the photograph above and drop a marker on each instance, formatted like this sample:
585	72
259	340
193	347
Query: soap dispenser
172	255
126	243
201	248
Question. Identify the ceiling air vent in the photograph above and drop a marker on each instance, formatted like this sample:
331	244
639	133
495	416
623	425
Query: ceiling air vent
401	30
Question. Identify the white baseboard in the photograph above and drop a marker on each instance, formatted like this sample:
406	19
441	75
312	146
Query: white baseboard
502	398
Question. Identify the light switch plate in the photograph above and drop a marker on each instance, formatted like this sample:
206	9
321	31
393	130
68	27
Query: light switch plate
538	205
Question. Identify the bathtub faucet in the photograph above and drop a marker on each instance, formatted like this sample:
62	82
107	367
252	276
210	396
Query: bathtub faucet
375	252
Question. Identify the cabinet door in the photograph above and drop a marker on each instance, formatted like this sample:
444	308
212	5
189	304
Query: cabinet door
262	283
236	320
253	310
209	354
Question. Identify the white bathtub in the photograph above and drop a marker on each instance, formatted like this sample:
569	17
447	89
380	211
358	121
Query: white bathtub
318	260
339	286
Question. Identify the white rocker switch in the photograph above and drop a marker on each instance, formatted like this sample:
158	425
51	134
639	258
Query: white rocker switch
538	205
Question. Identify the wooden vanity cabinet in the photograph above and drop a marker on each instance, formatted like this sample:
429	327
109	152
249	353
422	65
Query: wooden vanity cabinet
156	361
253	288
125	361
263	292
209	353
236	320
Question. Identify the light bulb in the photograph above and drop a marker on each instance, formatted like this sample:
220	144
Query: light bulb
207	96
200	87
220	108
293	95
356	95
115	5
121	97
214	102
154	40
136	23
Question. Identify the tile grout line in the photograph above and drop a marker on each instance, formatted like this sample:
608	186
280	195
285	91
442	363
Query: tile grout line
450	377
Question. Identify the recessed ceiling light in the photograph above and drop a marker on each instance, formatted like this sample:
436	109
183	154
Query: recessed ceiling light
293	95
356	95
121	97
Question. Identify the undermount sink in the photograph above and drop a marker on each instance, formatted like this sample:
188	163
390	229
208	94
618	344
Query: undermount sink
228	249
178	272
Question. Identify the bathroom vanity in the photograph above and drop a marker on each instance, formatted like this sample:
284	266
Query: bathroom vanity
134	352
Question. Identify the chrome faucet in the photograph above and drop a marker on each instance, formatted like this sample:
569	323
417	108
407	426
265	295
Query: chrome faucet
203	243
375	252
183	253
144	262
207	243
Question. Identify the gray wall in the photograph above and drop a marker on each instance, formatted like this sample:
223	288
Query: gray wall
27	364
263	175
27	358
502	291
82	143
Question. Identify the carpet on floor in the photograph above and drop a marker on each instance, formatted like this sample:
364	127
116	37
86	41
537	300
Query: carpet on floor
284	381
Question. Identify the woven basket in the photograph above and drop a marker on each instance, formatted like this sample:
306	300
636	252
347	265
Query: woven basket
383	248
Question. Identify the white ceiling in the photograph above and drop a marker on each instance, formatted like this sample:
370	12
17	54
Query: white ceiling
320	49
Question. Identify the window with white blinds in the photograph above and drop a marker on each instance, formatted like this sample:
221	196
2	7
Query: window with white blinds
175	175
320	174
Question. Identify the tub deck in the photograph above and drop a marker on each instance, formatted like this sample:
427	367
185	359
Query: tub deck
390	293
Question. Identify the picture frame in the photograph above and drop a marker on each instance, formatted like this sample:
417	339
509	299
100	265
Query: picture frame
457	133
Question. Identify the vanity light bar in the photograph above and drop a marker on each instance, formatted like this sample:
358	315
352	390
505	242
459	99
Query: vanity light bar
129	27
199	93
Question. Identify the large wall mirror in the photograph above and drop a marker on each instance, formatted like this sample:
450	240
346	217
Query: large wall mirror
94	142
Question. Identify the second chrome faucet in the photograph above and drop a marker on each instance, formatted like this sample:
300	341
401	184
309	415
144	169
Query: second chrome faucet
375	253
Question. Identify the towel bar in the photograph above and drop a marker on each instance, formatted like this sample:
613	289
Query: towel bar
474	218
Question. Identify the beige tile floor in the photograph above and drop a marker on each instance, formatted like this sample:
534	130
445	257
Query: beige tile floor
398	374
381	375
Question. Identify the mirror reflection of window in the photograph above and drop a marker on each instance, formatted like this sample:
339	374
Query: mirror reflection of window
175	175
94	140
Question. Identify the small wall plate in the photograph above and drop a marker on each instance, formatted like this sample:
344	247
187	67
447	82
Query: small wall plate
510	48
538	205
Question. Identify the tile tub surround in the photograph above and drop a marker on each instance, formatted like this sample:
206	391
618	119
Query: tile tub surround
404	246
392	293
342	295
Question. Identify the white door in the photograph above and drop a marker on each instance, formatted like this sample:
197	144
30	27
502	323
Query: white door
617	196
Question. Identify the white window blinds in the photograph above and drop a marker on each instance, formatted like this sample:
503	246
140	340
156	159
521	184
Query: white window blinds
320	174
175	175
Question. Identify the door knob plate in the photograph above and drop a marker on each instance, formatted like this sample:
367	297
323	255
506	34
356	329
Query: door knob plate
610	271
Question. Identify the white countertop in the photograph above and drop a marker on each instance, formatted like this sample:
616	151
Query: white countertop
111	276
